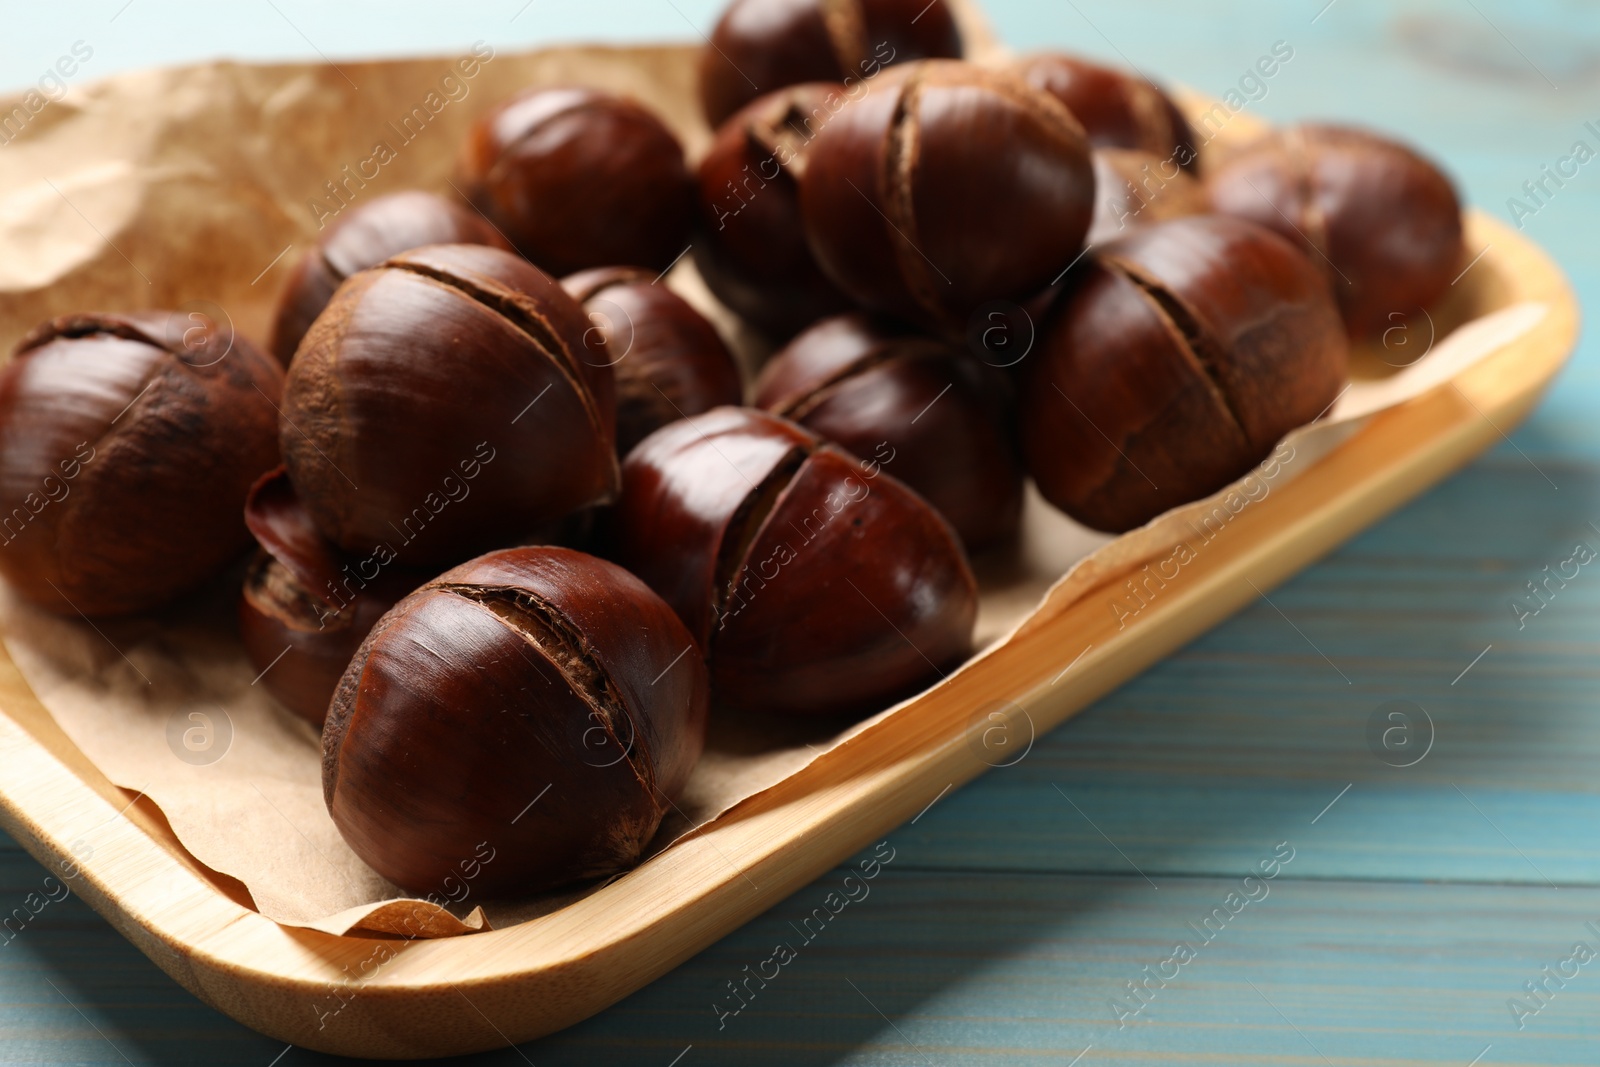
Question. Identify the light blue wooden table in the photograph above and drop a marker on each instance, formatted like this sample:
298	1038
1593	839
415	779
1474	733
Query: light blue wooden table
1419	900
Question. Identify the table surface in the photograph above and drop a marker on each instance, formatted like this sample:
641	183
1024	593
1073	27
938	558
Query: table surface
1419	901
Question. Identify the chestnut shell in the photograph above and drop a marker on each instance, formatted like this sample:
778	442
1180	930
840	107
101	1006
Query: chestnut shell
668	361
759	46
537	706
128	443
1174	361
1118	109
752	249
579	178
364	237
1382	221
925	410
443	361
815	584
946	187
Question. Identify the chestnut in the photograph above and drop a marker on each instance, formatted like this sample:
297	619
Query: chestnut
751	249
1175	360
128	443
578	178
445	403
1117	109
532	713
1384	222
923	409
369	234
945	188
815	583
1133	188
758	46
304	609
669	362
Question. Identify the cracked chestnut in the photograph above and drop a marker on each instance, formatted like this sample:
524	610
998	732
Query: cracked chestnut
445	403
305	608
759	46
369	234
1174	361
815	582
128	443
926	411
669	362
752	250
536	705
578	178
1383	222
1118	109
945	188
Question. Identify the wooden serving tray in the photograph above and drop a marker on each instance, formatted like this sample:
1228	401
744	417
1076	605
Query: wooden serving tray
443	997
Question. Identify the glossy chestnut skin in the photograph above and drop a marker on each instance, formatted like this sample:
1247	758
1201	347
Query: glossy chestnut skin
445	403
669	362
752	249
927	411
128	443
816	583
1133	188
578	178
947	187
1175	360
363	237
1382	221
535	705
759	46
1118	109
305	608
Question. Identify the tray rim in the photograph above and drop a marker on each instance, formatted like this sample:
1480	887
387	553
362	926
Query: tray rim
487	990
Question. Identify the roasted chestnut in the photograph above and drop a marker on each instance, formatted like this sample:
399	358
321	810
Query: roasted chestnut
578	178
946	187
669	362
445	403
1117	109
305	609
128	443
922	409
531	713
1382	221
1175	360
762	45
369	234
1133	188
816	583
751	248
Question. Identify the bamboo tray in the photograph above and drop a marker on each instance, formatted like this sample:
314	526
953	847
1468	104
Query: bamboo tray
456	995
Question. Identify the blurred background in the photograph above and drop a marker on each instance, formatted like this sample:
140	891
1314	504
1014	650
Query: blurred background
1420	900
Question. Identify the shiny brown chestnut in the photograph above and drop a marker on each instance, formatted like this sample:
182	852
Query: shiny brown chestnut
364	237
1176	359
759	46
578	178
531	713
445	403
751	248
816	583
304	608
926	411
669	362
1117	109
128	443
1133	188
1382	221
946	187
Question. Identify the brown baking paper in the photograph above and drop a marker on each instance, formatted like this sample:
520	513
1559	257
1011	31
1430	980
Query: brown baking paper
196	188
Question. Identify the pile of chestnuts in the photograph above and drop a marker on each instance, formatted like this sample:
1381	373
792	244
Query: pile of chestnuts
520	518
